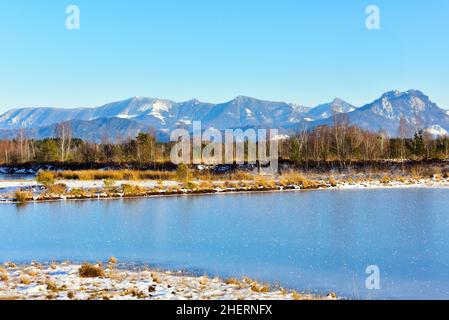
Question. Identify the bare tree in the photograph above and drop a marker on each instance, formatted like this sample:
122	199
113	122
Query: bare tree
64	133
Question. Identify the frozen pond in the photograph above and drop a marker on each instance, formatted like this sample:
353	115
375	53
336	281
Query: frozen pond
319	241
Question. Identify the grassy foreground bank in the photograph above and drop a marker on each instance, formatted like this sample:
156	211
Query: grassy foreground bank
110	281
66	185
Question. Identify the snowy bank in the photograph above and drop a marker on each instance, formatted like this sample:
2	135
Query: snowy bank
97	189
64	281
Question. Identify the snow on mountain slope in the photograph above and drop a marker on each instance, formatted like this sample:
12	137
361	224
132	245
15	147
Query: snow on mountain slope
123	117
127	109
245	112
385	113
98	130
327	110
436	131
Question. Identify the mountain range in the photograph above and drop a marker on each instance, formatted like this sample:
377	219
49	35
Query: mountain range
125	119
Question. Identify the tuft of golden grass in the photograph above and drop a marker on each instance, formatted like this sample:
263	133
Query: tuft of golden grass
58	189
88	270
135	292
385	180
127	175
3	275
204	280
22	196
261	288
296	296
332	182
78	193
24	280
242	176
294	178
10	265
46	178
112	260
31	273
51	286
232	281
131	190
156	278
206	185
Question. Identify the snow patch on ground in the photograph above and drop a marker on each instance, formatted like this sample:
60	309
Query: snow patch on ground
63	282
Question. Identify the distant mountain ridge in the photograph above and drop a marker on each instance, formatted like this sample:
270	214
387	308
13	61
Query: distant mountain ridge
125	119
385	114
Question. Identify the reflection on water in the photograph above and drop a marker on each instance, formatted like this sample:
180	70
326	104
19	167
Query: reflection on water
317	241
15	177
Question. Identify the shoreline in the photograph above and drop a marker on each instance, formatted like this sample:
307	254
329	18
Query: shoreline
102	194
112	281
174	189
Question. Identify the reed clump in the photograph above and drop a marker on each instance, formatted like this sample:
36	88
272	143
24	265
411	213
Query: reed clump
260	288
332	182
124	175
131	190
299	180
233	281
88	270
386	180
59	188
3	275
46	178
22	196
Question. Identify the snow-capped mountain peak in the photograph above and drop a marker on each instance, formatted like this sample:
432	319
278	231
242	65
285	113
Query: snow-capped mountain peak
142	113
437	131
327	110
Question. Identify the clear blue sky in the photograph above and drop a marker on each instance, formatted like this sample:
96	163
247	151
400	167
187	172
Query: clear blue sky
306	52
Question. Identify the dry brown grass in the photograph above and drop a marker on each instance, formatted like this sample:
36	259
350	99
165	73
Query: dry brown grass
51	286
261	288
127	175
385	180
232	281
242	176
112	260
78	193
204	280
206	185
22	196
59	188
296	296
3	275
156	278
46	178
332	182
131	190
294	178
91	271
135	292
24	280
31	273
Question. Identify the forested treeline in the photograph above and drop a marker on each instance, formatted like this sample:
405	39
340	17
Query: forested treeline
341	143
345	144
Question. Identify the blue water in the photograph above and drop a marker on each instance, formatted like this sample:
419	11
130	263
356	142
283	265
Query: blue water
316	241
15	177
